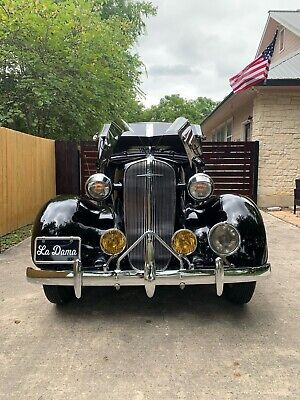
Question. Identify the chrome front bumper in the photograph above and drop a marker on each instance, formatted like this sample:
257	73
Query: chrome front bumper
219	275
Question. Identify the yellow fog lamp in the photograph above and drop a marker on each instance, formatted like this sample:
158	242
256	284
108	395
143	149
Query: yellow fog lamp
184	242
113	241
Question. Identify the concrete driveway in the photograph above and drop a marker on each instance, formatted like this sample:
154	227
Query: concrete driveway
180	345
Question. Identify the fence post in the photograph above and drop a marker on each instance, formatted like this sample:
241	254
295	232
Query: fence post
255	169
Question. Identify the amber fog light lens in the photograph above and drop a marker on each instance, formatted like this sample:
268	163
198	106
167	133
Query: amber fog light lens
113	242
224	239
184	242
200	186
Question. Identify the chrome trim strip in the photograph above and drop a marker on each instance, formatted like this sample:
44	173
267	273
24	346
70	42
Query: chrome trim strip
156	236
77	278
179	258
149	175
149	269
149	184
111	258
219	275
205	275
130	249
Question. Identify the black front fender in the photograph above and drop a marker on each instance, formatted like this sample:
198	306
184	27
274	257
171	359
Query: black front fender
74	216
242	213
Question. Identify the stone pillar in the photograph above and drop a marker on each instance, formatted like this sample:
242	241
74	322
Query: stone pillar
276	125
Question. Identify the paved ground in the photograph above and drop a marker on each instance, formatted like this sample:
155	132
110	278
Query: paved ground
181	345
287	215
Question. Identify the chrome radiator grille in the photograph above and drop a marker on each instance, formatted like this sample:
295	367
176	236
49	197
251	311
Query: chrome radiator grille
149	204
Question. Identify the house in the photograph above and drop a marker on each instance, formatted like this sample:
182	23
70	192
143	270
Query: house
269	113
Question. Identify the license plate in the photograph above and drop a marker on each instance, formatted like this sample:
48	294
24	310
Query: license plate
57	250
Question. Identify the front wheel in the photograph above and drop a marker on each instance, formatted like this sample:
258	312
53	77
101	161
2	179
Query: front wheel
59	294
239	293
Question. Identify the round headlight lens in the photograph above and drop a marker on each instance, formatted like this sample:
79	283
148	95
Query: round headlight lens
184	242
98	186
224	239
113	241
200	186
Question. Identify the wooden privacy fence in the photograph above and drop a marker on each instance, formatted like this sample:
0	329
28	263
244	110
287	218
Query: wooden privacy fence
89	154
232	165
27	177
67	158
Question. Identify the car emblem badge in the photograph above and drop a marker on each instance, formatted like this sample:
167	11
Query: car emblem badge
150	175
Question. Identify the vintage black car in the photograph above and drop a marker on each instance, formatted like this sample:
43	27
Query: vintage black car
149	217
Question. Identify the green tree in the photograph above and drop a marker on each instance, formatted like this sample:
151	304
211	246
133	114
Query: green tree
132	11
173	106
67	66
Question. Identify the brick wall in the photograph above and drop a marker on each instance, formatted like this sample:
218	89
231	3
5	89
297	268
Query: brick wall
276	124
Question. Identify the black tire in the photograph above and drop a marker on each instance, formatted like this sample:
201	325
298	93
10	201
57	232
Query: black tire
239	293
59	294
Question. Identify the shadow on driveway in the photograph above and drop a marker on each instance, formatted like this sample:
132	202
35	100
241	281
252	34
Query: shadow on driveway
196	305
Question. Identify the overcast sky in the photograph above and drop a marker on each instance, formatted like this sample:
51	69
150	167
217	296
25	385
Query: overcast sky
193	46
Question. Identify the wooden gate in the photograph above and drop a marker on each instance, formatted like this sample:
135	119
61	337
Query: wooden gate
232	165
89	154
67	162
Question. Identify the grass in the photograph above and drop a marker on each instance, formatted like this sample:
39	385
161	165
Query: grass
15	237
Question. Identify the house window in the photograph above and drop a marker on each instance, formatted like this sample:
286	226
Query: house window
247	133
223	133
229	131
247	129
281	40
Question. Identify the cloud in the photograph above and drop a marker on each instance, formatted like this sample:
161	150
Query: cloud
167	70
192	46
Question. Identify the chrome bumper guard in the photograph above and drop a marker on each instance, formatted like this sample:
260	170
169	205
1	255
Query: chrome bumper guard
150	277
219	276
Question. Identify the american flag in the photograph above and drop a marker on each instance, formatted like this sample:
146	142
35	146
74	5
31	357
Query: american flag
255	72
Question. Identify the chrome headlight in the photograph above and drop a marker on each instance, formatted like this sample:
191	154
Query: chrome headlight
224	239
98	187
200	186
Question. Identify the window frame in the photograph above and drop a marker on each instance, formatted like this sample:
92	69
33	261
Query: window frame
229	137
248	121
281	40
222	130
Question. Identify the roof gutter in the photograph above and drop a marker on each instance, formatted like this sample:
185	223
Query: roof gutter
269	82
281	82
